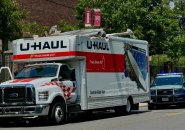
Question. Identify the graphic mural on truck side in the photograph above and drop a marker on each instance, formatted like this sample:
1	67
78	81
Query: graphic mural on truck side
136	65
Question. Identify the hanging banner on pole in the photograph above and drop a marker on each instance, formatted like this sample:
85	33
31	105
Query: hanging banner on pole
88	21
97	18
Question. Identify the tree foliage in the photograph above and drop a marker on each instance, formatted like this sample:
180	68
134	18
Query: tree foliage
34	28
10	17
65	26
150	20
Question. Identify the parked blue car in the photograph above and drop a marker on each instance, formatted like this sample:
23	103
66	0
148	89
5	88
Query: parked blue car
167	89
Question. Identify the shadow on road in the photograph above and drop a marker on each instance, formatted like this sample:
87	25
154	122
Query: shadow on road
99	115
167	107
75	118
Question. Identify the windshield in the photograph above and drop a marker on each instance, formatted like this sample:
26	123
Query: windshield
38	71
167	81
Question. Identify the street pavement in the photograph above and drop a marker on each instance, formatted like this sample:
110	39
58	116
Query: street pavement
170	118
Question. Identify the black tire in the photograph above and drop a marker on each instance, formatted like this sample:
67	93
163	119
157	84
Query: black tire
124	110
57	113
127	109
135	106
121	110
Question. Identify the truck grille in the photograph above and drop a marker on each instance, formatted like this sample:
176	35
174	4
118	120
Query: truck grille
15	95
162	92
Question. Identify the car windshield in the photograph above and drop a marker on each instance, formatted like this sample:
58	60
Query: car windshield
37	71
167	81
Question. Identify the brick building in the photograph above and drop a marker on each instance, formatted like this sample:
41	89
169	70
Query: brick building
44	12
49	12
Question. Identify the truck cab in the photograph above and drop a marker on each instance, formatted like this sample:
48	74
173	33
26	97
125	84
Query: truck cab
35	88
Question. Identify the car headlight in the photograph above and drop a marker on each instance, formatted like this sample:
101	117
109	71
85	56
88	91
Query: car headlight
179	91
153	92
43	96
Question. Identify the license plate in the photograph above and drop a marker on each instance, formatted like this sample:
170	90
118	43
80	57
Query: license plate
165	99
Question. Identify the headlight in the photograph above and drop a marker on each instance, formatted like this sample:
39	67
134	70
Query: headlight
43	96
179	91
153	92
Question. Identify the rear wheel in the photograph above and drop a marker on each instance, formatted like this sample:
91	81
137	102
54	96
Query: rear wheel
57	113
120	110
128	107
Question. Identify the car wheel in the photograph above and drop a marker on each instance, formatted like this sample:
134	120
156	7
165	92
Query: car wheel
57	114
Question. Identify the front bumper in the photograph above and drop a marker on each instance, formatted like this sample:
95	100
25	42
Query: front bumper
170	99
24	111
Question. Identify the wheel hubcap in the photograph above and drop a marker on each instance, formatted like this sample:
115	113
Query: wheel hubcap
128	107
58	114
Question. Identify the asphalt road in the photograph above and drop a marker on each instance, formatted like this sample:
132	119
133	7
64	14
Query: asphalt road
171	118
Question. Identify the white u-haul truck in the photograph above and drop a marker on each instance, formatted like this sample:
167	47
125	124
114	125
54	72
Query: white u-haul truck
76	71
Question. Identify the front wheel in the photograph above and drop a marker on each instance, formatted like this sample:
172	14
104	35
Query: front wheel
57	114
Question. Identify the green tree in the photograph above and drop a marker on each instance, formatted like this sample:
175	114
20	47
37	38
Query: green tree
33	28
10	16
151	20
65	26
176	37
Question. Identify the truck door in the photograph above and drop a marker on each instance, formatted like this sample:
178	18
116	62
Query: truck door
67	78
